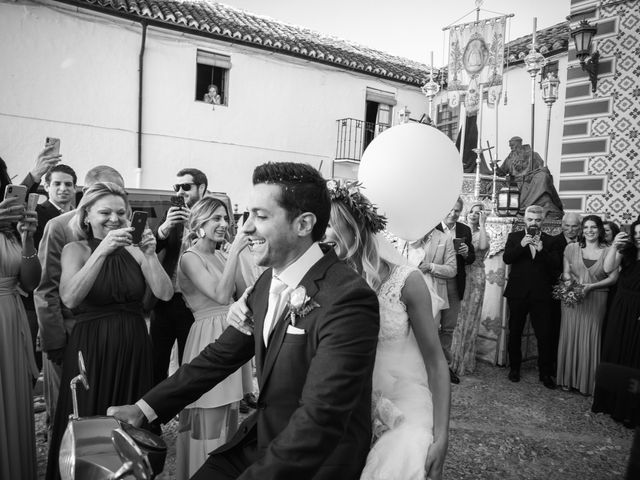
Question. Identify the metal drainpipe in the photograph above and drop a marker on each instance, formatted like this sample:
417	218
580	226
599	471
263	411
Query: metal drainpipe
140	86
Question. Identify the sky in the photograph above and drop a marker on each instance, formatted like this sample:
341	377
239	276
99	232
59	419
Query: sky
408	28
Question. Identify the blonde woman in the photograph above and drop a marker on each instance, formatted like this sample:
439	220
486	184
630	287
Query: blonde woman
104	278
463	347
208	278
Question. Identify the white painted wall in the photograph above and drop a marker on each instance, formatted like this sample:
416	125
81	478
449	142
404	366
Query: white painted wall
74	75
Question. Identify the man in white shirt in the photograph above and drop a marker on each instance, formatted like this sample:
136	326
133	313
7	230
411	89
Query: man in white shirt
316	327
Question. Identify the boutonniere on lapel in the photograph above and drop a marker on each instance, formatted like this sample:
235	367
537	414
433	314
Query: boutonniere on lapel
300	304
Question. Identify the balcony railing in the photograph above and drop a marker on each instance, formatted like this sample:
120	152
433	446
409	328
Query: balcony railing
354	136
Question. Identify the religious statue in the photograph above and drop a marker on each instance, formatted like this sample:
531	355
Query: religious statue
534	179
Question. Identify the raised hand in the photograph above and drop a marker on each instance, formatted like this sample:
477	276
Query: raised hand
11	211
27	224
175	216
239	316
115	239
44	162
148	243
239	243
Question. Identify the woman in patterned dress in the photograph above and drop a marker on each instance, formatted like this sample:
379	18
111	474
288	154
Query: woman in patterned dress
463	347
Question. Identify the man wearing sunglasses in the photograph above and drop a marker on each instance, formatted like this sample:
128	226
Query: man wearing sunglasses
171	320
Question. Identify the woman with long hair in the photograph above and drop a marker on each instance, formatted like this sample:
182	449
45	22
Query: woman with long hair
411	385
208	279
622	341
19	267
463	346
580	327
104	278
611	229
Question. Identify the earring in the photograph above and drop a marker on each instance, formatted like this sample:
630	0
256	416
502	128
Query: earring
201	232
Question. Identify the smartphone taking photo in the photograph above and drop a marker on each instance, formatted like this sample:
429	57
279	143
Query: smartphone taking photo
138	222
16	191
54	144
457	243
533	231
177	201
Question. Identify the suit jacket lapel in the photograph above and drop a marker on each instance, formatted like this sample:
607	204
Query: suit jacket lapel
310	283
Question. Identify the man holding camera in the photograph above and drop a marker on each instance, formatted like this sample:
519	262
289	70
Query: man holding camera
533	259
172	320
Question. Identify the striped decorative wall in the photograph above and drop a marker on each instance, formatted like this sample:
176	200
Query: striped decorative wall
600	168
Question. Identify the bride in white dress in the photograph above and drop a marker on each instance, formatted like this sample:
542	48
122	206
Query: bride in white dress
411	387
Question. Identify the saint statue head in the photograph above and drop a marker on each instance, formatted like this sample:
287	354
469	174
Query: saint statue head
515	143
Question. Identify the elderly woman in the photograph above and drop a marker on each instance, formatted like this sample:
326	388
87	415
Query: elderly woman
104	278
19	266
580	328
463	348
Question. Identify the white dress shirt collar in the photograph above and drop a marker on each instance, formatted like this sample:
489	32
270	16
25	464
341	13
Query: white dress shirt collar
294	273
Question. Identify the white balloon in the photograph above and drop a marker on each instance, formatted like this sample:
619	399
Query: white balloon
413	173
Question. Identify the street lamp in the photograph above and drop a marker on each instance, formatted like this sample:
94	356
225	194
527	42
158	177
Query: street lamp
533	62
582	36
509	199
430	89
550	87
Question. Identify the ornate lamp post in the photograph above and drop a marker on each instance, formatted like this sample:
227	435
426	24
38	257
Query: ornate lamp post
550	87
509	199
534	62
582	36
431	89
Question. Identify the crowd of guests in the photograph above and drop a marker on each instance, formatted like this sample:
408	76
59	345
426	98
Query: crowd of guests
93	289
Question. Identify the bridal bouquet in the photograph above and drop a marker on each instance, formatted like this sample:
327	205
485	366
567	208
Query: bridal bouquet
569	292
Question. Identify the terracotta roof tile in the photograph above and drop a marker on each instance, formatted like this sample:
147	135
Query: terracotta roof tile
216	20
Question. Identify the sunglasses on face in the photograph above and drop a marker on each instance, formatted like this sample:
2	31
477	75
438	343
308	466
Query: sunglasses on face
184	186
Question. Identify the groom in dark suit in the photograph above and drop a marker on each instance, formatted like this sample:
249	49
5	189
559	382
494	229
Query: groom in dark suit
314	353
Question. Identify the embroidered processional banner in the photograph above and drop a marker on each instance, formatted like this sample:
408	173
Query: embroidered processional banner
476	59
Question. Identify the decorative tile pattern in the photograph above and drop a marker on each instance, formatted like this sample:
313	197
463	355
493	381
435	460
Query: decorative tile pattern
622	200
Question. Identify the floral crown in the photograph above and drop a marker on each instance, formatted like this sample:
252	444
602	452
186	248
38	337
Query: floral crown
365	213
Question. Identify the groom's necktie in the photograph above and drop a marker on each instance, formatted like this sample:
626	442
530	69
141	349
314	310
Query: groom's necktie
277	295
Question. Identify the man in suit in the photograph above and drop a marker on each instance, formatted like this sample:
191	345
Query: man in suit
435	257
172	320
54	319
533	259
460	234
314	370
571	230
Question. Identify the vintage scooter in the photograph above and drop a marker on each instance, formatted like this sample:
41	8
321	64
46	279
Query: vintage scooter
103	448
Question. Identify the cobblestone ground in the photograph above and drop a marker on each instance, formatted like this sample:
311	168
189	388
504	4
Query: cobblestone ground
501	430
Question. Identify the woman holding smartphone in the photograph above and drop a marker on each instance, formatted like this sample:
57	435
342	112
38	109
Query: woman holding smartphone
622	342
19	266
104	278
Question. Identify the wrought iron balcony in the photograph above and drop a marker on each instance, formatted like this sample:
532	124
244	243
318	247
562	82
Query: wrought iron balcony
354	136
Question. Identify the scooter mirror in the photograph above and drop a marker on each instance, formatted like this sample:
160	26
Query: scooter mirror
134	461
83	371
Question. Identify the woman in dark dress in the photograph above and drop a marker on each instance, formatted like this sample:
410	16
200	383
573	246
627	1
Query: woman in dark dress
103	280
622	341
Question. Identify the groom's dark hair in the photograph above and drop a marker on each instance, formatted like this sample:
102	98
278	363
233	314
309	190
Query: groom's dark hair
303	189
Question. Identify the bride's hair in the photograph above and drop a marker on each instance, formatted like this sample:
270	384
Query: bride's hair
363	249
